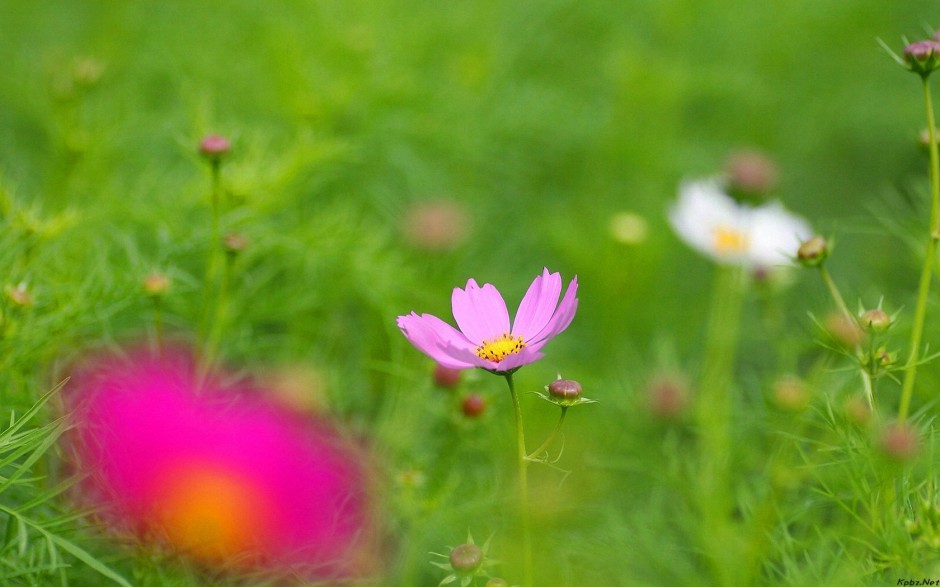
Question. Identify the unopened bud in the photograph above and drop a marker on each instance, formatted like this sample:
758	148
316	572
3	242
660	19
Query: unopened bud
752	175
813	252
900	442
496	582
668	398
156	284
466	558
875	320
473	405
20	296
844	330
214	147
923	57
234	243
790	394
445	377
564	390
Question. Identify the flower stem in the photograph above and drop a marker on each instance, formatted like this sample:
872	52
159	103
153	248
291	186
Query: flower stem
523	485
836	296
866	373
714	419
551	437
920	311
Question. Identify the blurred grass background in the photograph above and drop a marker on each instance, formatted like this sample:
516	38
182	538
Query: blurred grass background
543	119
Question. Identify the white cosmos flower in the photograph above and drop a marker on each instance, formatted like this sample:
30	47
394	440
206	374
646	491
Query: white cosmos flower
715	224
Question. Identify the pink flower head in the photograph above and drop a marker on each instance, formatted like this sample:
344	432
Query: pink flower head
216	472
485	338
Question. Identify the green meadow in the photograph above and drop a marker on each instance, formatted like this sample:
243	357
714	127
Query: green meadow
552	134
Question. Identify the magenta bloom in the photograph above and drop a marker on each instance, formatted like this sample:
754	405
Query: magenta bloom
485	338
217	472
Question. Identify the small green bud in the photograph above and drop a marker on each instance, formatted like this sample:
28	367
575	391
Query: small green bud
875	320
496	582
156	284
813	252
466	558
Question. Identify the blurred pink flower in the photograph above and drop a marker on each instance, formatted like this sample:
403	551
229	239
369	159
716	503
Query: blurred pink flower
485	338
217	472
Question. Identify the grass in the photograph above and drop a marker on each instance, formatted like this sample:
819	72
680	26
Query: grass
544	120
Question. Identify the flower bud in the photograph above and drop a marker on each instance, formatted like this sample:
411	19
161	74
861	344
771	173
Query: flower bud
923	138
564	390
20	296
752	175
790	394
156	284
214	147
900	442
234	243
813	252
875	320
445	377
473	405
843	330
496	582
668	398
466	558
923	57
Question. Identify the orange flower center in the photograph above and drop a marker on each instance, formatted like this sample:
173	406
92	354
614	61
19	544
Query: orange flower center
210	513
728	241
500	348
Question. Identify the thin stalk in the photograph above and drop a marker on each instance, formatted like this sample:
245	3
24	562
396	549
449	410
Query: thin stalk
923	291
551	437
714	418
866	373
523	463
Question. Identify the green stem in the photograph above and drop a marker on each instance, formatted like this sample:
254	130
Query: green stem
551	437
923	291
523	485
836	296
866	373
714	418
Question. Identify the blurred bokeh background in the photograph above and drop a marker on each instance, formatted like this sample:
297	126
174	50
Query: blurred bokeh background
386	151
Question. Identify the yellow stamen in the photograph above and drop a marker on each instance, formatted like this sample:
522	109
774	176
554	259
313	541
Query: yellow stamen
212	514
728	241
500	348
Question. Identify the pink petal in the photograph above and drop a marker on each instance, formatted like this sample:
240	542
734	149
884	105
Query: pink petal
537	305
480	312
562	317
439	340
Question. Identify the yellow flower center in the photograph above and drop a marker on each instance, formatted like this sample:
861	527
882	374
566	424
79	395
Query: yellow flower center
211	514
502	347
728	241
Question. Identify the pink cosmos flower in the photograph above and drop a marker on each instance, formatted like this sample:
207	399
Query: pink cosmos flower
485	338
217	472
